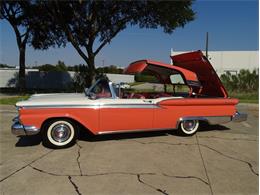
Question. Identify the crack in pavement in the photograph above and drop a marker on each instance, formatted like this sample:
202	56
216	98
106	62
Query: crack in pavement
151	186
117	173
138	175
50	173
121	173
235	139
186	177
79	148
233	158
29	164
87	175
203	145
74	185
166	143
206	172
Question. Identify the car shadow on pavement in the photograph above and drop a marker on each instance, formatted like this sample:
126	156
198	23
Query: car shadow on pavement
86	136
207	127
32	140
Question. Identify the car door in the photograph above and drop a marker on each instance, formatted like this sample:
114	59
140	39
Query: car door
126	115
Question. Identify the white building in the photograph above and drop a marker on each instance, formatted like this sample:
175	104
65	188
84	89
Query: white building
232	61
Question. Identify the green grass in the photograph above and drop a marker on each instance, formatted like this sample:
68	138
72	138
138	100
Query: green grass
245	97
13	100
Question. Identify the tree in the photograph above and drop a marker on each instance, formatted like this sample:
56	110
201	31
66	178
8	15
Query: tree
90	25
59	67
110	69
17	13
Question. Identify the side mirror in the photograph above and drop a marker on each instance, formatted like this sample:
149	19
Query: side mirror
92	96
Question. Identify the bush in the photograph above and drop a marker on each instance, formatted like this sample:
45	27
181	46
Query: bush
245	81
59	67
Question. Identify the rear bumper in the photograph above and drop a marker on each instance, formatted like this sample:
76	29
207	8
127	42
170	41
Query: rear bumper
239	117
20	129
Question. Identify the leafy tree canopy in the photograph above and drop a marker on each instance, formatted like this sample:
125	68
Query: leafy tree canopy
90	25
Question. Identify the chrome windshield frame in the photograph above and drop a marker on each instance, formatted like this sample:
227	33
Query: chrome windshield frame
114	96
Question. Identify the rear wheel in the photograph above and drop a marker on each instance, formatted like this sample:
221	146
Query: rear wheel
59	133
189	127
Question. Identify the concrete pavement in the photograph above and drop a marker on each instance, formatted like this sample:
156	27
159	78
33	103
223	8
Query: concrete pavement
217	160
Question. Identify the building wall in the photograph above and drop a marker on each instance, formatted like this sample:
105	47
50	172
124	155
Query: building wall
232	61
36	79
49	80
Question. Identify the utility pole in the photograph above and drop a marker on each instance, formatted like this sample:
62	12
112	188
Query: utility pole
207	44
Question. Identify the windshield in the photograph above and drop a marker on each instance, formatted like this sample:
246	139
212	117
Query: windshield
100	89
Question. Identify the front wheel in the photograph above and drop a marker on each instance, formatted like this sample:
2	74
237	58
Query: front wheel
189	127
59	133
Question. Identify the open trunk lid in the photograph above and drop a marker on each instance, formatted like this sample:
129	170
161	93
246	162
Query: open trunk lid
199	64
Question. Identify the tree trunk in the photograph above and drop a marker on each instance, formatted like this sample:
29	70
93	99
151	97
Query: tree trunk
92	72
22	81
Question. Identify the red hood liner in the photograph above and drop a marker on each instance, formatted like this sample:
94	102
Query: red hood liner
199	64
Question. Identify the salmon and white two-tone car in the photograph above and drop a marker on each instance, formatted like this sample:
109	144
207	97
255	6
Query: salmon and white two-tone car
108	107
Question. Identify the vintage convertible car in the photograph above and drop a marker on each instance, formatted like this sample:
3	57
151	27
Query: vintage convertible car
179	96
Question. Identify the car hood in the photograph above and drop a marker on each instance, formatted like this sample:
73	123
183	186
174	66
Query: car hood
54	99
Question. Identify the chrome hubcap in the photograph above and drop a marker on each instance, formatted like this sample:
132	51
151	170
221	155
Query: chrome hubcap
60	132
189	125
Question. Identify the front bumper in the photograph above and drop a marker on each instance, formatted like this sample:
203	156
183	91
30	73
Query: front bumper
20	129
239	117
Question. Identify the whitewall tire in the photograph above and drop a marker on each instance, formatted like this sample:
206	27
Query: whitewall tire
189	127
59	133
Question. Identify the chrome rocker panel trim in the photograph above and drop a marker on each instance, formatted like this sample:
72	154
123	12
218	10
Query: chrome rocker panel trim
132	131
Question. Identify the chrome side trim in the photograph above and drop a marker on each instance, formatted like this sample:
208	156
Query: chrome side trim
213	120
95	106
129	106
61	106
131	131
239	117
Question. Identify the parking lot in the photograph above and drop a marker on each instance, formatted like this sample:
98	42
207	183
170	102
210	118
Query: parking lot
219	159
